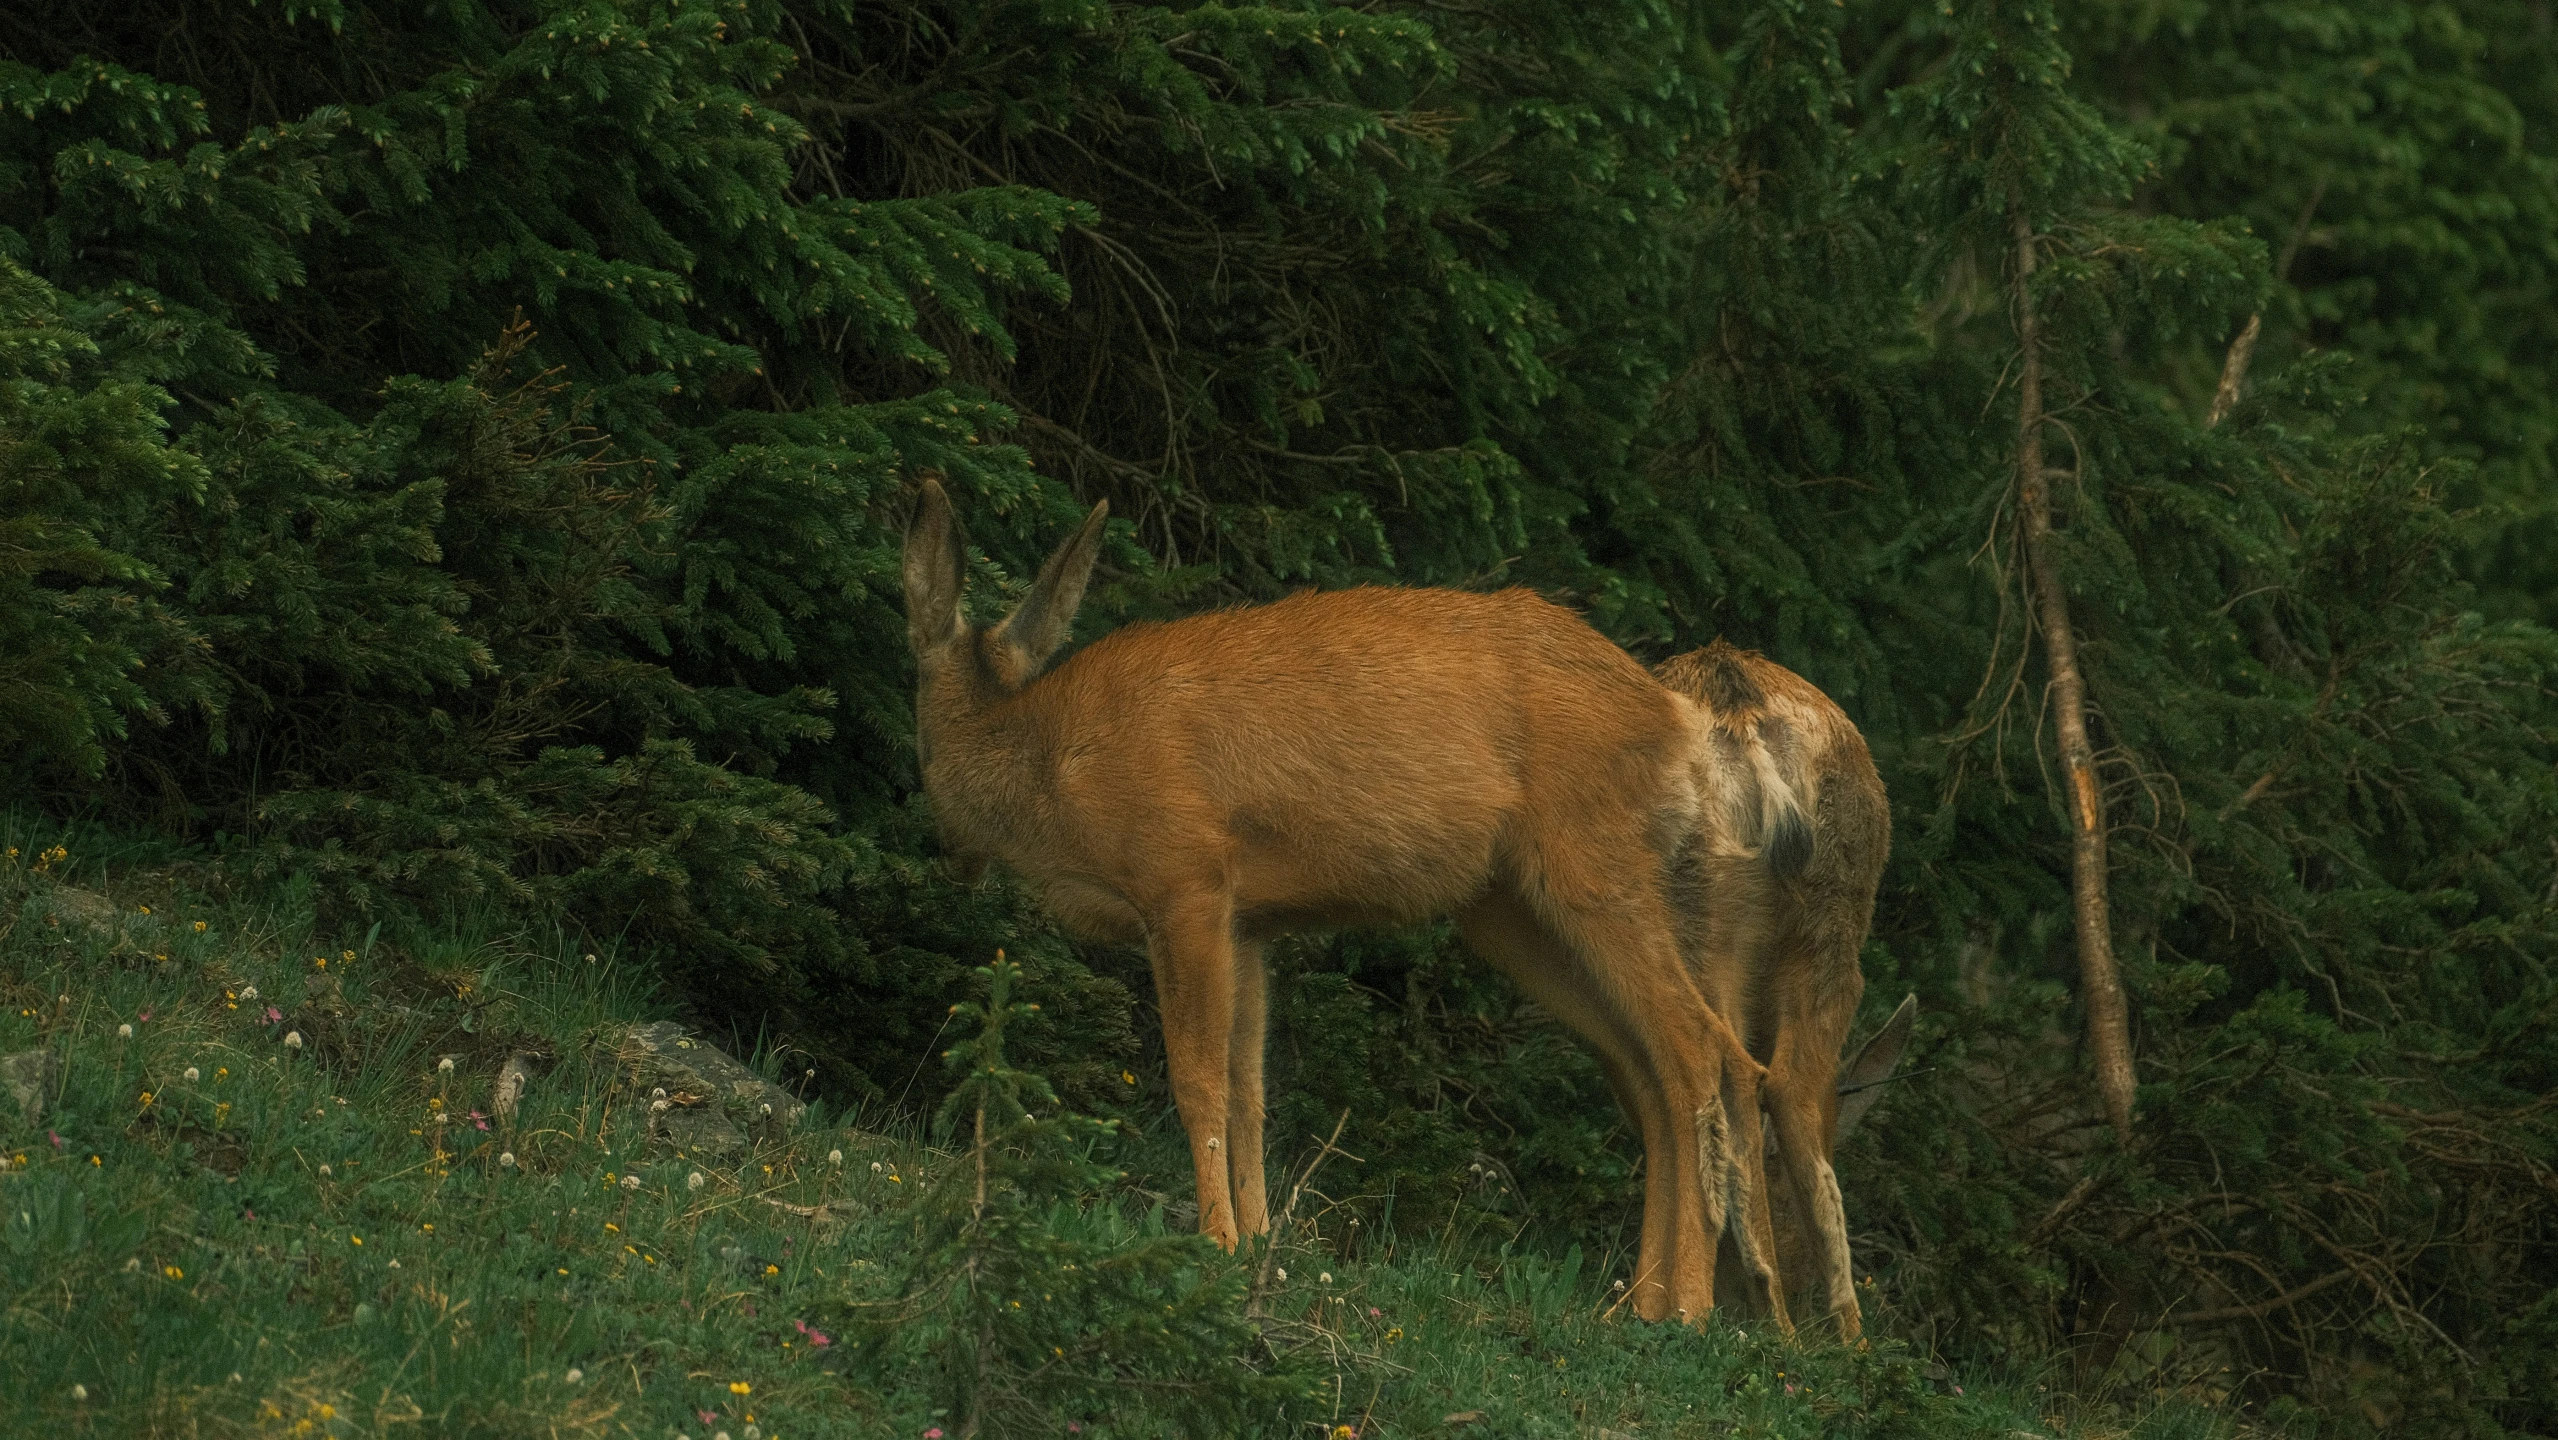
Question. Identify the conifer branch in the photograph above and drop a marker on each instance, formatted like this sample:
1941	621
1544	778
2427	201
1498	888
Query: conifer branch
2109	1040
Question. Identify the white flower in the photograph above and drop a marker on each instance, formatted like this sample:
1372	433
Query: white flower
326	1172
574	1375
630	1182
122	1032
693	1181
444	1066
659	1106
835	1157
395	1264
248	992
506	1160
193	1074
767	1110
292	1039
133	1266
1324	1279
874	1167
79	1392
657	1094
590	958
1283	1277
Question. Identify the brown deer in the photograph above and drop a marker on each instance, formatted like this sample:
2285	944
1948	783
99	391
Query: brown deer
1367	757
1779	894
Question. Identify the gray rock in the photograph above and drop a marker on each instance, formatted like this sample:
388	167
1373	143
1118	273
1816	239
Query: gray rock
715	1105
512	1078
697	1130
31	1079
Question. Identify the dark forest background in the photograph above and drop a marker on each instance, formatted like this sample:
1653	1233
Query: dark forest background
456	452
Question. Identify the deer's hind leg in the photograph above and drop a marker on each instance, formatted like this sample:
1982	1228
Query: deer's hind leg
1818	986
1508	936
1622	936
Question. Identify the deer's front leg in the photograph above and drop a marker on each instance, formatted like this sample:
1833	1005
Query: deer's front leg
1191	945
1243	1093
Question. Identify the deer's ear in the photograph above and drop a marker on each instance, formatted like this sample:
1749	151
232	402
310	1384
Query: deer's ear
1861	1080
936	566
1047	614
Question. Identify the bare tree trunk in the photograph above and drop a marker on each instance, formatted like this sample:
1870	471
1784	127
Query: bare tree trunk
2109	1037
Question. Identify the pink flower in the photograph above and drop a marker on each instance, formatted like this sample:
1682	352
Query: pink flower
1373	1312
479	1119
144	1017
1958	1389
708	1416
933	1434
273	1015
56	1139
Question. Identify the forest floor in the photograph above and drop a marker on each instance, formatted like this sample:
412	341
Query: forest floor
259	1201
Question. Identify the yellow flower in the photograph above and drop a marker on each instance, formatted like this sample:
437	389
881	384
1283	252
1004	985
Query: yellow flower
199	927
740	1387
1128	1076
358	1239
772	1269
322	961
173	1272
346	955
428	1227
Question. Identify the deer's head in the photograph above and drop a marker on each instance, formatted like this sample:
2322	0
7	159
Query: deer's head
962	670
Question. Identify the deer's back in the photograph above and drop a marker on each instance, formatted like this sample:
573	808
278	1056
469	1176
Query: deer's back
1349	757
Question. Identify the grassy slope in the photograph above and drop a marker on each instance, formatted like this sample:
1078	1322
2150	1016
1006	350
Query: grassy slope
324	1241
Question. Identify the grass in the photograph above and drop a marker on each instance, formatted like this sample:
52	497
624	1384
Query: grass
216	1231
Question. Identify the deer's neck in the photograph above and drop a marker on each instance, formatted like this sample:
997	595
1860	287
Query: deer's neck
986	768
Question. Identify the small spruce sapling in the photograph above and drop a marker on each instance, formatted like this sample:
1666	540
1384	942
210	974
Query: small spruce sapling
1041	1306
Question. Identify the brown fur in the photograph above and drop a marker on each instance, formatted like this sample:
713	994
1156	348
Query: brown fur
1366	757
1773	938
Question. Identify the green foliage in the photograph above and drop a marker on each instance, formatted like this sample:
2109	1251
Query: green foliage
80	448
453	456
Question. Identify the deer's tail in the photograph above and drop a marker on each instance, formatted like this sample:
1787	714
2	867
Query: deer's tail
1764	790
